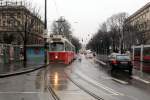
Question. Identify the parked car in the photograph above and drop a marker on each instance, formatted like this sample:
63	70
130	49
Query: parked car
121	62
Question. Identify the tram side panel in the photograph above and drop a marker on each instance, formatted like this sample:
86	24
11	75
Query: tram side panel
61	57
57	57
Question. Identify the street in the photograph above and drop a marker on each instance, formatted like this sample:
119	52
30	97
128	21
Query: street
85	80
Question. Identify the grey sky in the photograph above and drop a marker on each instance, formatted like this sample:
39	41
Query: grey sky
85	16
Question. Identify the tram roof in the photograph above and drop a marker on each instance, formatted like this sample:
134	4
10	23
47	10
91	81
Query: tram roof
59	38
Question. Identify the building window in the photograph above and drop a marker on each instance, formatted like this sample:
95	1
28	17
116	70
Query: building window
0	22
3	16
4	23
19	15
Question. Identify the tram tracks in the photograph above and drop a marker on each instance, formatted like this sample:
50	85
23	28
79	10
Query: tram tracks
97	84
53	94
85	90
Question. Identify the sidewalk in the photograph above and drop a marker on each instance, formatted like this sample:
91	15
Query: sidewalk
17	68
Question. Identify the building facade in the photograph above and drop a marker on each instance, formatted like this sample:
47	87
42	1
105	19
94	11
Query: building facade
16	21
139	26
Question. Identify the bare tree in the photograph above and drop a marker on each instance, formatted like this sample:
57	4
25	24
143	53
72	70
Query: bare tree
104	27
110	33
76	43
116	26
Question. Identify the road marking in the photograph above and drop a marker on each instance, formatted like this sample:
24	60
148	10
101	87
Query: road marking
19	92
140	79
106	77
101	62
120	81
99	84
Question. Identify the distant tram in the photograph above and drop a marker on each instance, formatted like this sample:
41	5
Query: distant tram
145	53
141	54
60	50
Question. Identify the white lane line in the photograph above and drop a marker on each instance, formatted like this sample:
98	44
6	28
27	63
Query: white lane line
101	62
120	81
99	85
19	92
140	79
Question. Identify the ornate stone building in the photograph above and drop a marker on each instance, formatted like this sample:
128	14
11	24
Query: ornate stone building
16	20
139	23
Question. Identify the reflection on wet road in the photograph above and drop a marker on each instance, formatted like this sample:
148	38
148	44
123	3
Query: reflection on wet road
64	88
85	80
119	81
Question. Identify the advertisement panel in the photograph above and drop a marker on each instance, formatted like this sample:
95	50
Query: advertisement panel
35	55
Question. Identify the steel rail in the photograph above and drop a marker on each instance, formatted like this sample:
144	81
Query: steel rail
53	94
85	90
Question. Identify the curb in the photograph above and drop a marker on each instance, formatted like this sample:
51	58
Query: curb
21	72
101	62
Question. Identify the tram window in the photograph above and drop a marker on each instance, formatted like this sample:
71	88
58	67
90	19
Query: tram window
57	47
67	47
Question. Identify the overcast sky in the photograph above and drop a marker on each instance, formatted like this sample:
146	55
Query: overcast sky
85	16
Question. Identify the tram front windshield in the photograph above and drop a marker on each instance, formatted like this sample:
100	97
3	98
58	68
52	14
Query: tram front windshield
57	47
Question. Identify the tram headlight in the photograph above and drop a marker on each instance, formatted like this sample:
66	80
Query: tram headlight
56	57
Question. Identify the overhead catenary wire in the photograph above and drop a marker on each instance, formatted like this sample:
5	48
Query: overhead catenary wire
56	7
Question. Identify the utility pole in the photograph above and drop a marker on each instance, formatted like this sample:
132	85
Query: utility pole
45	34
25	41
45	25
122	37
60	27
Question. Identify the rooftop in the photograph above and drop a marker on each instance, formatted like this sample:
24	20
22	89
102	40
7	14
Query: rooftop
140	10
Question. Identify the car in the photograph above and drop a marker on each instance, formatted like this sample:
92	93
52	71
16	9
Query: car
89	55
121	62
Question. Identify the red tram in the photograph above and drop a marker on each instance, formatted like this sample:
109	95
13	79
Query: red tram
60	50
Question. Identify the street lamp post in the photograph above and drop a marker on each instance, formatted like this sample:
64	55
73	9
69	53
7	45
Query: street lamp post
25	42
122	37
45	33
45	25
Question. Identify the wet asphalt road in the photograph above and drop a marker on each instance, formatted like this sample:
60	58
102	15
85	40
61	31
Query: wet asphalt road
85	80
